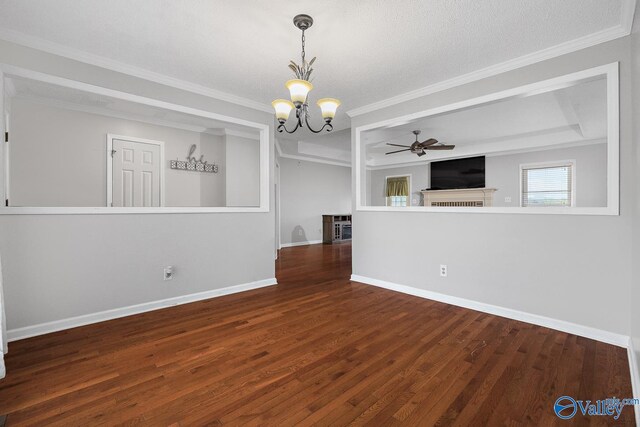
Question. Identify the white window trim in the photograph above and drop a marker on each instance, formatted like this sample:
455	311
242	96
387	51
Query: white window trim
398	176
611	71
551	164
265	141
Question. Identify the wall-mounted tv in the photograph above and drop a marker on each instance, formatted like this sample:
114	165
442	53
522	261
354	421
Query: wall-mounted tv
458	173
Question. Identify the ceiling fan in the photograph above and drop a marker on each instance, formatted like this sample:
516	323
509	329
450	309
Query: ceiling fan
420	147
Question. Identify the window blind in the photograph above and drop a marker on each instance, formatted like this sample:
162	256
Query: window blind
547	186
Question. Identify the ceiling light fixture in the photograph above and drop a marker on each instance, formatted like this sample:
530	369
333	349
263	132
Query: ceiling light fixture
299	89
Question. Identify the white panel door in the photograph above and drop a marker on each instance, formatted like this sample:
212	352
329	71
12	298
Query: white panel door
136	174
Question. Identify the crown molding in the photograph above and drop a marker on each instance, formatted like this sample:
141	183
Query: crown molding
308	159
120	67
621	30
315	160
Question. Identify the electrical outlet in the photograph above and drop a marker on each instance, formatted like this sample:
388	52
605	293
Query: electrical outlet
168	273
443	270
507	199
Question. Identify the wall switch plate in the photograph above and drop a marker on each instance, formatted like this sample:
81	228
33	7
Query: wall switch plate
168	273
507	199
443	270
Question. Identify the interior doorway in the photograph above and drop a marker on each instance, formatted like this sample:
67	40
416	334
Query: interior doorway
134	172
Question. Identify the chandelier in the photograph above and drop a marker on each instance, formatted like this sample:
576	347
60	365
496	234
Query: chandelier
299	89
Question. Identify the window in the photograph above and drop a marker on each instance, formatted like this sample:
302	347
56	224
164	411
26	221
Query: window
397	201
550	184
397	190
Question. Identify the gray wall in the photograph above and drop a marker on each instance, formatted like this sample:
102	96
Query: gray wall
213	185
550	265
503	173
243	171
308	190
635	285
419	181
61	161
59	266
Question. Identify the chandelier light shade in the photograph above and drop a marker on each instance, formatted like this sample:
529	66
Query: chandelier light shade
299	89
283	108
328	106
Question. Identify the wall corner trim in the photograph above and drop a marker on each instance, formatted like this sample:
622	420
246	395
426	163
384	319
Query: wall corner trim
87	319
535	319
635	376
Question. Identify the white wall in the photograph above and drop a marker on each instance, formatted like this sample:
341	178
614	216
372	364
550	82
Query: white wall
503	173
59	157
59	266
509	260
243	171
307	191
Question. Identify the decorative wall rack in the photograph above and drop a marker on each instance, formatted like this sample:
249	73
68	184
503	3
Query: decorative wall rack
191	164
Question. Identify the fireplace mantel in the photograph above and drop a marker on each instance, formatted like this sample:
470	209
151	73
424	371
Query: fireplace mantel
465	197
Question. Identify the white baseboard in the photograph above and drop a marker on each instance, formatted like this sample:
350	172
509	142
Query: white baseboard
635	376
559	325
72	322
290	245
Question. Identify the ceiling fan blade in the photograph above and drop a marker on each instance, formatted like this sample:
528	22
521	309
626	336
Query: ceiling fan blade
428	142
398	145
440	147
421	153
399	151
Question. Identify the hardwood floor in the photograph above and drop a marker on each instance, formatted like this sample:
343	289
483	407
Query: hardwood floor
315	349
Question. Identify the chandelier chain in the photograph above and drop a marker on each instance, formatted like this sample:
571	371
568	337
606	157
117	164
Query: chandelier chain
303	53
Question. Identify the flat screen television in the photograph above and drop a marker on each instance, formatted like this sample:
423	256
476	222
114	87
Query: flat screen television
458	173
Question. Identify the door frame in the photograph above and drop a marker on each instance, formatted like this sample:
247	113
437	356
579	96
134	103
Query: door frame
110	138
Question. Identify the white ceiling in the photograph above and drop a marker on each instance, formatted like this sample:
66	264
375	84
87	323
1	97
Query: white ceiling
368	50
573	115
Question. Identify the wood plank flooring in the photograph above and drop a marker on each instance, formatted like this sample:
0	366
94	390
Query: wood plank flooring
316	349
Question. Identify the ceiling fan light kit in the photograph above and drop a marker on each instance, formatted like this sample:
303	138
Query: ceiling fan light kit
299	89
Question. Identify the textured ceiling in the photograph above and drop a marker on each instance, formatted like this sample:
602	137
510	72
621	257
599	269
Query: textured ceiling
368	50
